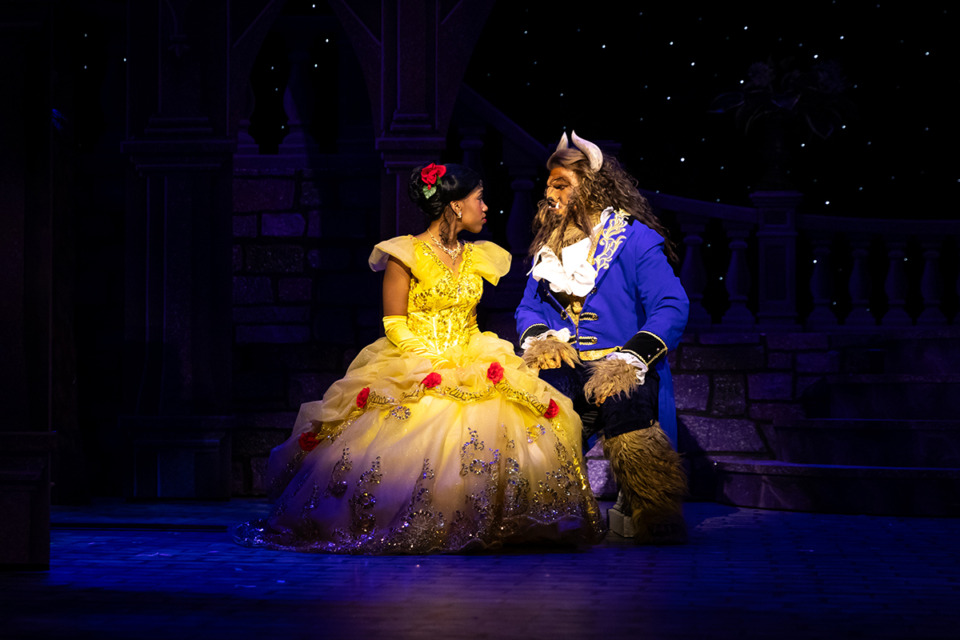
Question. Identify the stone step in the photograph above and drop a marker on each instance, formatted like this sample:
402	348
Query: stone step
869	442
931	351
849	489
884	396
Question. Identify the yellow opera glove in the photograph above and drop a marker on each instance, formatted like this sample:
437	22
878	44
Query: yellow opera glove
399	334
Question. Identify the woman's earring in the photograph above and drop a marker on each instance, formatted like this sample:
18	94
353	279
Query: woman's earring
459	213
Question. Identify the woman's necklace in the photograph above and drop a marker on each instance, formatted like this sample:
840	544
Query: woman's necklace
453	253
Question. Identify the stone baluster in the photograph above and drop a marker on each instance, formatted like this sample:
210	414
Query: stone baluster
737	279
931	284
859	285
895	286
693	273
821	285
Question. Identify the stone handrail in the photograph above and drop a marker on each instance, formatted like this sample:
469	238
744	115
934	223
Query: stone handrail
853	273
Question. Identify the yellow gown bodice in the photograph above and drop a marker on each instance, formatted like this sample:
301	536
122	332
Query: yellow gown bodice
442	303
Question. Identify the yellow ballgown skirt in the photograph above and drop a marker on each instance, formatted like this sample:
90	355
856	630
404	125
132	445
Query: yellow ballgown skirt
413	454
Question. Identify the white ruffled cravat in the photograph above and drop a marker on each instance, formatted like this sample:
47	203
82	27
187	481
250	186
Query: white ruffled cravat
573	274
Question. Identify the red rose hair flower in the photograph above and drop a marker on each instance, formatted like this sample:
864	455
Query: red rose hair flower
552	410
429	175
432	380
308	441
362	397
495	372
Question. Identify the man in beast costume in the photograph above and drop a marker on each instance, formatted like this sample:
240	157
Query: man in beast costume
600	310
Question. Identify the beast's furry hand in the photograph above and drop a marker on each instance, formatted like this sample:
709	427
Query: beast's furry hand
550	353
609	377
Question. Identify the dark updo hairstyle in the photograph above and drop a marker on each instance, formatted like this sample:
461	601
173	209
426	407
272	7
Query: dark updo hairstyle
455	184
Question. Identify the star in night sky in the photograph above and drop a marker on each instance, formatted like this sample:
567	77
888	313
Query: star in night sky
646	74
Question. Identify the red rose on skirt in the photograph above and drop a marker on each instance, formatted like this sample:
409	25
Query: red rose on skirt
552	410
308	440
432	380
362	397
495	372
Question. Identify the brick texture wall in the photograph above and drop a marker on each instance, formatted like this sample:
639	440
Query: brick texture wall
304	299
730	388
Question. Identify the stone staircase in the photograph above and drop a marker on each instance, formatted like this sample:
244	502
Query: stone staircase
881	438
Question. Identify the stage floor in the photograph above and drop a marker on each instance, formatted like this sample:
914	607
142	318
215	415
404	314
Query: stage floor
170	570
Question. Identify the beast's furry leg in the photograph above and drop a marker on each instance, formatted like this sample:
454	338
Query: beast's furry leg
652	482
550	353
609	377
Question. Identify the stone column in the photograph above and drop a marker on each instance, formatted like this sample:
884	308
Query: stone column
413	54
27	362
177	356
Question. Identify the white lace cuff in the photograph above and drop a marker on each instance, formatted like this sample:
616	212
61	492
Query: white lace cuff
634	362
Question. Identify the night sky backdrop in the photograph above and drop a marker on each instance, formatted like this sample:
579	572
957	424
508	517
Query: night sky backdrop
644	74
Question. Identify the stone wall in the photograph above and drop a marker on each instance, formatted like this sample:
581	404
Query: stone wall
304	299
730	388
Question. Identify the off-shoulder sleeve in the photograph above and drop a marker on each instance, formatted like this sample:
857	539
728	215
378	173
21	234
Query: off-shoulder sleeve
400	248
492	262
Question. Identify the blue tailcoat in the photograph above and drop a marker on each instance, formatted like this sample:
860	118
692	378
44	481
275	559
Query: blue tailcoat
635	290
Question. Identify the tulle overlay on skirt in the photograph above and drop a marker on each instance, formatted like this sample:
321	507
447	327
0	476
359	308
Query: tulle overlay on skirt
401	457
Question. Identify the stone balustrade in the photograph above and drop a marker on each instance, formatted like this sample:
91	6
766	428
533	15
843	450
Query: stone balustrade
766	266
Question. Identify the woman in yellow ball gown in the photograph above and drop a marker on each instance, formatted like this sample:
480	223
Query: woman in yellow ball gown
438	438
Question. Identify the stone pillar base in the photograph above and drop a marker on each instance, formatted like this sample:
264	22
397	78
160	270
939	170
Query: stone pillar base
25	500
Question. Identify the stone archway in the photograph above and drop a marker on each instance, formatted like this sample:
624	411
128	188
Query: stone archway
186	96
413	56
